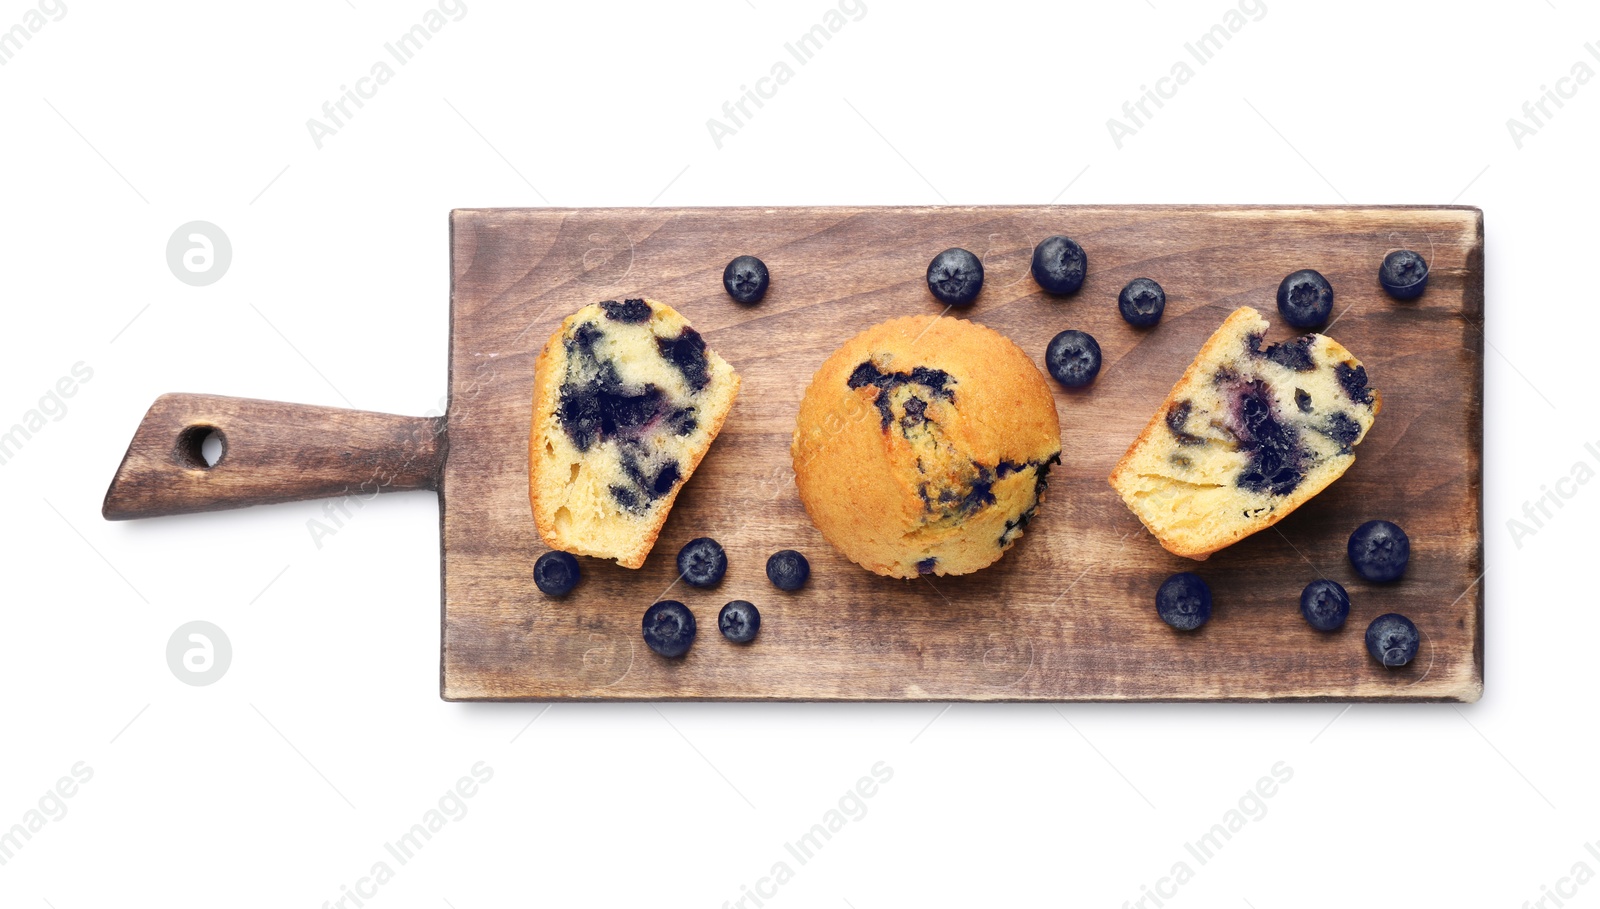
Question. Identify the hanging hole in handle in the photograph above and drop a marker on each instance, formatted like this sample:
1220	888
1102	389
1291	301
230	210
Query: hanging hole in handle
201	447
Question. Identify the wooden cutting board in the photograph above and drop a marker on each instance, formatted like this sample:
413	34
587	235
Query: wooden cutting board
1067	614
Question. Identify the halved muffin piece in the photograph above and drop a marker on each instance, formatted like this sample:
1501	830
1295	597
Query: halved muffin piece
627	398
1247	435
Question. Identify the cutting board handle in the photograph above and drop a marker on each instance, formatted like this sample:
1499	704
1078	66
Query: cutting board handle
270	452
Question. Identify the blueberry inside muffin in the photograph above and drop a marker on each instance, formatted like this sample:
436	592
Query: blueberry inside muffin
1249	433
627	400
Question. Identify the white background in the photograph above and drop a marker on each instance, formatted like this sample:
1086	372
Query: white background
279	784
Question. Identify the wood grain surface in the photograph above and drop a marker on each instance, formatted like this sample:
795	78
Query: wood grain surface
1068	613
270	452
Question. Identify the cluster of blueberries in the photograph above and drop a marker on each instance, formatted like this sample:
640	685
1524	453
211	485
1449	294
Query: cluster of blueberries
1305	298
1379	551
955	276
1059	265
669	626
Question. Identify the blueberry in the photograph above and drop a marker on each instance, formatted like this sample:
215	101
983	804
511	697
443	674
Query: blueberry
1392	639
666	479
688	353
739	621
788	570
1184	601
1343	429
556	573
1177	418
933	381
702	563
1305	298
601	405
1059	265
1142	302
668	628
1353	379
1404	274
955	276
1295	355
629	311
746	279
1073	358
1325	605
682	421
1277	459
1379	551
628	499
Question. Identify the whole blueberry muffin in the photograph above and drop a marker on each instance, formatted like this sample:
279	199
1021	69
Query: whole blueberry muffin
626	400
923	446
1249	434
